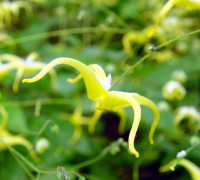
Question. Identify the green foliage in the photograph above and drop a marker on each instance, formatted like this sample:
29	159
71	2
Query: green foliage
94	32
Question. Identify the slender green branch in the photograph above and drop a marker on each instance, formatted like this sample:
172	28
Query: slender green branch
28	163
43	128
177	38
28	103
114	147
192	147
91	161
120	20
151	52
65	32
131	69
27	171
136	171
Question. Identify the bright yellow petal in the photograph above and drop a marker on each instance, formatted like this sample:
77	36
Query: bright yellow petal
10	58
133	37
74	80
188	4
164	11
96	68
127	42
93	121
144	101
191	167
76	134
77	120
6	139
94	88
99	71
115	100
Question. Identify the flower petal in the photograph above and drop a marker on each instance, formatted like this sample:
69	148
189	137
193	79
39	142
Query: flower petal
93	86
93	121
144	101
74	80
6	139
191	167
115	100
167	7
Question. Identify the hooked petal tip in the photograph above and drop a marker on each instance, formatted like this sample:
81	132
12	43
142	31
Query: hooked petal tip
25	81
133	151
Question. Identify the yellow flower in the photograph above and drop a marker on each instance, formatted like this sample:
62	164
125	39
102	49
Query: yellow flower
23	66
92	121
133	37
193	169
10	11
7	139
77	120
187	4
141	37
97	85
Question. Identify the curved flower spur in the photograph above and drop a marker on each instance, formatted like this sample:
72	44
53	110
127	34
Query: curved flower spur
7	139
97	85
189	5
23	67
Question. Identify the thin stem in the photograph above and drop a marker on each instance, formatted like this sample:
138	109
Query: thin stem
136	171
91	161
38	107
104	152
43	128
131	69
151	52
120	20
64	32
177	38
28	103
192	147
22	166
28	163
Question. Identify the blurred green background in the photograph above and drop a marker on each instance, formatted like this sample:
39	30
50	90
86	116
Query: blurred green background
92	31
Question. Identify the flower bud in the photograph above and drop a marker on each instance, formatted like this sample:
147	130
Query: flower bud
180	76
41	145
181	154
187	112
163	106
173	90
